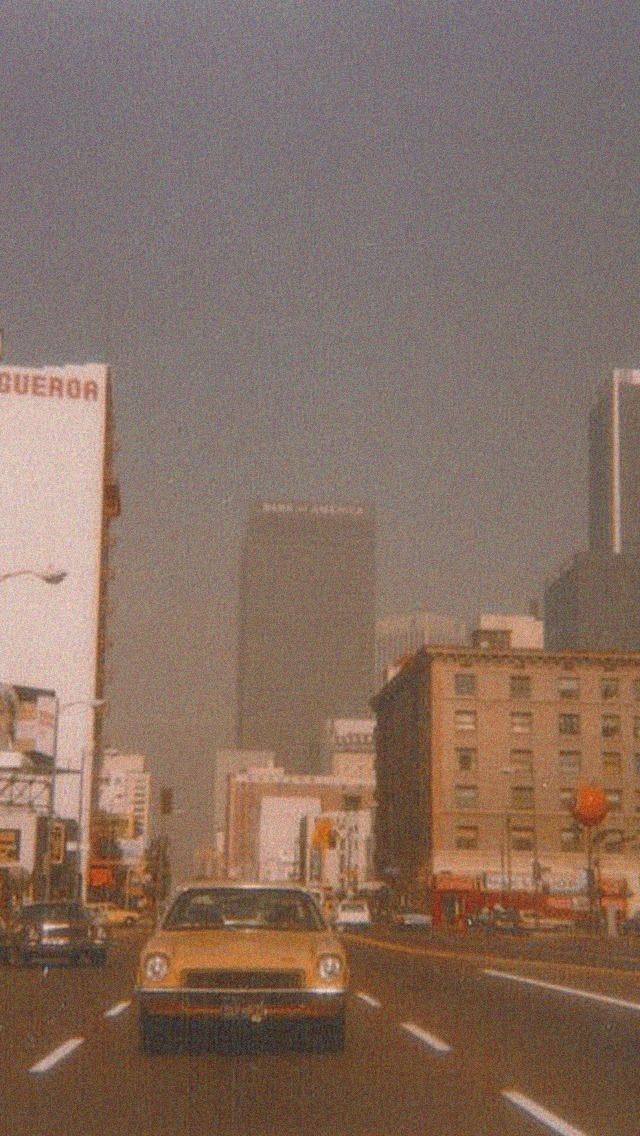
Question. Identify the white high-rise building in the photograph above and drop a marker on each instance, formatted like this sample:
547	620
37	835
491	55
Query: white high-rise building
58	495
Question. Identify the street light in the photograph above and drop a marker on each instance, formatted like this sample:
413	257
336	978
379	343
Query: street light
49	577
60	708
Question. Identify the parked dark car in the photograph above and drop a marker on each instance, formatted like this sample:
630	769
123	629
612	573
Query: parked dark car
58	930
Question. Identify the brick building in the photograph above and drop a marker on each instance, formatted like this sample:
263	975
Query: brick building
479	755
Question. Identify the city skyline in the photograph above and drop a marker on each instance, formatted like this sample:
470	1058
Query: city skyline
341	251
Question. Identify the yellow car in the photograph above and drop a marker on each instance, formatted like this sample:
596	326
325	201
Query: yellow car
237	953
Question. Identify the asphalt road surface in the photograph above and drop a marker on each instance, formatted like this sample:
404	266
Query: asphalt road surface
440	1041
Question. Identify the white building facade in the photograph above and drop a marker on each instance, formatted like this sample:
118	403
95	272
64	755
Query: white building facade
58	495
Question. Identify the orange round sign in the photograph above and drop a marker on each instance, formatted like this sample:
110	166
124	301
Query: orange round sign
591	805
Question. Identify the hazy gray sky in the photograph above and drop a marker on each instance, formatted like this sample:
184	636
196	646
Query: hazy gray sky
333	250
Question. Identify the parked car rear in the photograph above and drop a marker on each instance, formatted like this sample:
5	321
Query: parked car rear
60	930
352	913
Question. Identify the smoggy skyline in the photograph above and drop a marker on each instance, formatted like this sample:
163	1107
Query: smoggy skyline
332	251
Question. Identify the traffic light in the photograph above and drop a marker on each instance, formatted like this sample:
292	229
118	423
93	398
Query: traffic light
166	800
57	843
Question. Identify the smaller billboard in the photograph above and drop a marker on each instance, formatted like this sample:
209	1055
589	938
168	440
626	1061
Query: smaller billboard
28	722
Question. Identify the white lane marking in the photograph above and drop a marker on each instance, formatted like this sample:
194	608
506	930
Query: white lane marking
117	1009
57	1055
572	990
369	1000
549	1119
428	1038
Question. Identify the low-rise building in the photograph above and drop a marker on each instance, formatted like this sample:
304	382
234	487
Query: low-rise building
479	754
267	812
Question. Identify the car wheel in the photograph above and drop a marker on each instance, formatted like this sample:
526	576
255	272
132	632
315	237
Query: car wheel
153	1033
333	1035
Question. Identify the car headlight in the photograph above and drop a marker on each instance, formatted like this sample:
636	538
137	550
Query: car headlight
156	966
330	966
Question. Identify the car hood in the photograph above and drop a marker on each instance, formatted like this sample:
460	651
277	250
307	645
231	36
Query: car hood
243	947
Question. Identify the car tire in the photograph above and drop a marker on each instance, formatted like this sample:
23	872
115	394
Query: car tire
153	1033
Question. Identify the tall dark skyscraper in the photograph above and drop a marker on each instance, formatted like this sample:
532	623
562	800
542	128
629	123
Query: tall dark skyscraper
614	467
306	625
594	604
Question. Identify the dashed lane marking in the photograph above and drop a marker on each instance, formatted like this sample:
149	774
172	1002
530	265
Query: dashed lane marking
119	1008
56	1055
369	1000
427	1038
542	1115
573	991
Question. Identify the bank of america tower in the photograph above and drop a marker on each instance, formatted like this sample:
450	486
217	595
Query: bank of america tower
306	626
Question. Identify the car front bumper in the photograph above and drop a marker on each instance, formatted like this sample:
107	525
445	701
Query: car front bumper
241	1005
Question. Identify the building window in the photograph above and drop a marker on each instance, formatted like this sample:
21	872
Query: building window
613	840
568	686
567	799
614	800
466	836
520	686
635	688
521	761
521	796
612	764
521	722
610	725
570	839
465	684
569	723
637	800
467	759
570	762
636	727
466	796
521	838
610	688
636	764
465	720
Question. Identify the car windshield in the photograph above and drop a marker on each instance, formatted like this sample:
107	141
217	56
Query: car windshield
228	908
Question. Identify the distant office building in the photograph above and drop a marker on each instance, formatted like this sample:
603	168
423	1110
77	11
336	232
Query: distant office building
306	626
614	466
594	603
400	635
349	748
519	632
228	762
125	791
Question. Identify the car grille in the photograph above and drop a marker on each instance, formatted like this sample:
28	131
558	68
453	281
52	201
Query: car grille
244	979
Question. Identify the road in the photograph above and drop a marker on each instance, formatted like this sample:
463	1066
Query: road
440	1041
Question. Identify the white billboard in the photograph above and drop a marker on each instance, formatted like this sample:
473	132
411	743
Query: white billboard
52	440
